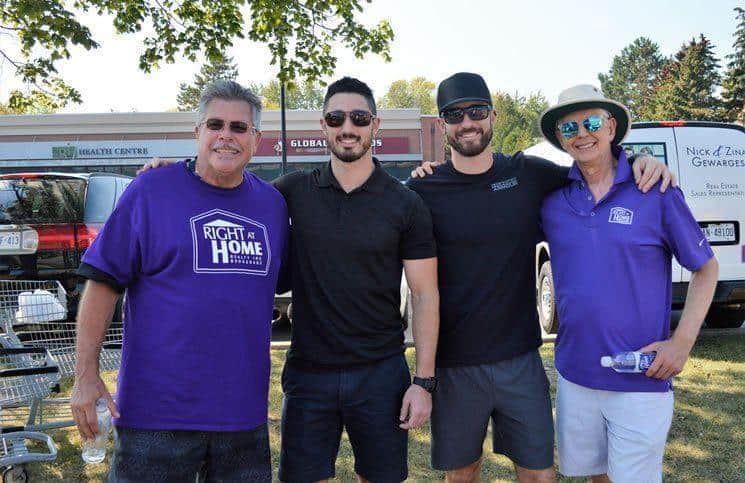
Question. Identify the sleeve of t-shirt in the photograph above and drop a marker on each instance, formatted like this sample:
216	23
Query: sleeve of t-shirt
550	175
682	234
116	251
284	280
418	239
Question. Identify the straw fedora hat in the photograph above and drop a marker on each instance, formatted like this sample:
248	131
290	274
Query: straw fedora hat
581	97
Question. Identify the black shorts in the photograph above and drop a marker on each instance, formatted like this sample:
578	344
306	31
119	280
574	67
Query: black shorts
365	400
514	394
175	456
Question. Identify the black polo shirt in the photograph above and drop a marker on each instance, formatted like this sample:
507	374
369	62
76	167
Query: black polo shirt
346	262
486	226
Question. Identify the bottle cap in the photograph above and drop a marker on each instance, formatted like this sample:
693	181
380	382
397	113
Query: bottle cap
606	361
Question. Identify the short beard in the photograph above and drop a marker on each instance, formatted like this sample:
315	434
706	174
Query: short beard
472	149
350	156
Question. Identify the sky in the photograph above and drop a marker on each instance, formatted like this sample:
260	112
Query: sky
520	47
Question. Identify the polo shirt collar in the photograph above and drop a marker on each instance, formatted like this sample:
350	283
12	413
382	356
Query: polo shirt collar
374	184
623	170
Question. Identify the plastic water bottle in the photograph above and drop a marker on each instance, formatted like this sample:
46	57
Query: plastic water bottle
94	451
629	361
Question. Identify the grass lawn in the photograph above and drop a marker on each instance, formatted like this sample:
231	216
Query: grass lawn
706	441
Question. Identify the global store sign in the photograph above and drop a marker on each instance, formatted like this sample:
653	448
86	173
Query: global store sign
315	146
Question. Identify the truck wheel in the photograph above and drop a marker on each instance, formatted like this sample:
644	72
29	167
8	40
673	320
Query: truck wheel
725	316
546	300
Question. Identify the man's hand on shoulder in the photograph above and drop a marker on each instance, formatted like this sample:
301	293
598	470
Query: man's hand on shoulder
154	163
425	169
648	170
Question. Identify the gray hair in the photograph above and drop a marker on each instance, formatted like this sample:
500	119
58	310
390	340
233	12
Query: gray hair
228	90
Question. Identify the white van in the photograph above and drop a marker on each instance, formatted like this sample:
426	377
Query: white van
709	160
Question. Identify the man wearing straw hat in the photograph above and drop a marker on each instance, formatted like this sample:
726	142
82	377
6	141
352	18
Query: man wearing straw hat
611	249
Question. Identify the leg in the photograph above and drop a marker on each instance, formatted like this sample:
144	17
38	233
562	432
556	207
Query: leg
600	479
461	407
525	475
581	430
636	438
467	474
371	405
522	422
239	456
157	456
311	425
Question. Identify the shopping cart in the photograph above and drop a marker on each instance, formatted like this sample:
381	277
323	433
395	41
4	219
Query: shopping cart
33	313
27	374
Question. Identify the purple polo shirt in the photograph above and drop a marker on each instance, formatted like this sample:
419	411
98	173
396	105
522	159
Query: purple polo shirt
611	265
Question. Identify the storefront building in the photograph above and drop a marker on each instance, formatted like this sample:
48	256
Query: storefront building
122	142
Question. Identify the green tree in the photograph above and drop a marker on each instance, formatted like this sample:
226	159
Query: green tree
516	124
630	79
733	86
36	102
300	35
417	93
685	87
305	95
220	68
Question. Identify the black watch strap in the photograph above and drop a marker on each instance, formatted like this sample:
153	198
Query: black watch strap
428	383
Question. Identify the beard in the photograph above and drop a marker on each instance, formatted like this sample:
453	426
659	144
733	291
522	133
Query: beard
350	155
472	148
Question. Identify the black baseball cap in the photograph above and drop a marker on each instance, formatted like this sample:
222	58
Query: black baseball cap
462	87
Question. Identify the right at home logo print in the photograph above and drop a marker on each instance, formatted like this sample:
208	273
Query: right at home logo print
228	243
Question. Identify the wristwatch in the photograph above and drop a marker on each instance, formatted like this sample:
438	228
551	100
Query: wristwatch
428	383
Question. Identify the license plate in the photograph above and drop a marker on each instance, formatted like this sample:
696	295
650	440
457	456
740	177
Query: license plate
720	232
10	240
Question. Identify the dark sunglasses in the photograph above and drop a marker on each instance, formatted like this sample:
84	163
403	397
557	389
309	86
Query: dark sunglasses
358	117
238	127
456	114
591	123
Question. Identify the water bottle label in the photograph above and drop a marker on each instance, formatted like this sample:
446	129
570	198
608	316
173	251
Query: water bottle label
645	360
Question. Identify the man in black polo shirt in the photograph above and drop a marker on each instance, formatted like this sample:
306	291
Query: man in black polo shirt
353	229
486	213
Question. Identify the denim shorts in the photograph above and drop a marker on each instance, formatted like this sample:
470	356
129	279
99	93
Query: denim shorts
176	456
365	400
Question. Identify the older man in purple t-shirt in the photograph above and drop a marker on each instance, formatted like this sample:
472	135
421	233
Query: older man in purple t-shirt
198	246
611	249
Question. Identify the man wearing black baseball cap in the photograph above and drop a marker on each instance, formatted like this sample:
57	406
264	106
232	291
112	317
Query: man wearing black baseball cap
486	210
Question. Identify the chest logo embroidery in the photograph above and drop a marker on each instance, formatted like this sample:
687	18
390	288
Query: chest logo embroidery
224	242
622	216
503	185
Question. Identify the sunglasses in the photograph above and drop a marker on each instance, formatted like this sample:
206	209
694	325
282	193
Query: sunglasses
237	127
571	128
456	114
358	117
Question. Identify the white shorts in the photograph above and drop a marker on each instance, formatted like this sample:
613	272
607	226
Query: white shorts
621	434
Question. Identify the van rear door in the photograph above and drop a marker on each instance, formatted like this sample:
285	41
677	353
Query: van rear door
659	141
712	176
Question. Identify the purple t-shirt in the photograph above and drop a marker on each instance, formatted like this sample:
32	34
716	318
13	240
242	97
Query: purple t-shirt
200	264
611	266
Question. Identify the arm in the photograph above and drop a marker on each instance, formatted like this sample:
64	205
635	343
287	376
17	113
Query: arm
672	354
647	172
94	316
421	275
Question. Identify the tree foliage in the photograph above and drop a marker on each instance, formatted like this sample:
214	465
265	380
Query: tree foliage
516	125
733	86
304	95
219	68
298	33
417	93
685	88
631	77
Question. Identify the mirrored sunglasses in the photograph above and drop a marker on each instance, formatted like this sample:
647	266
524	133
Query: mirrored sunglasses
591	123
